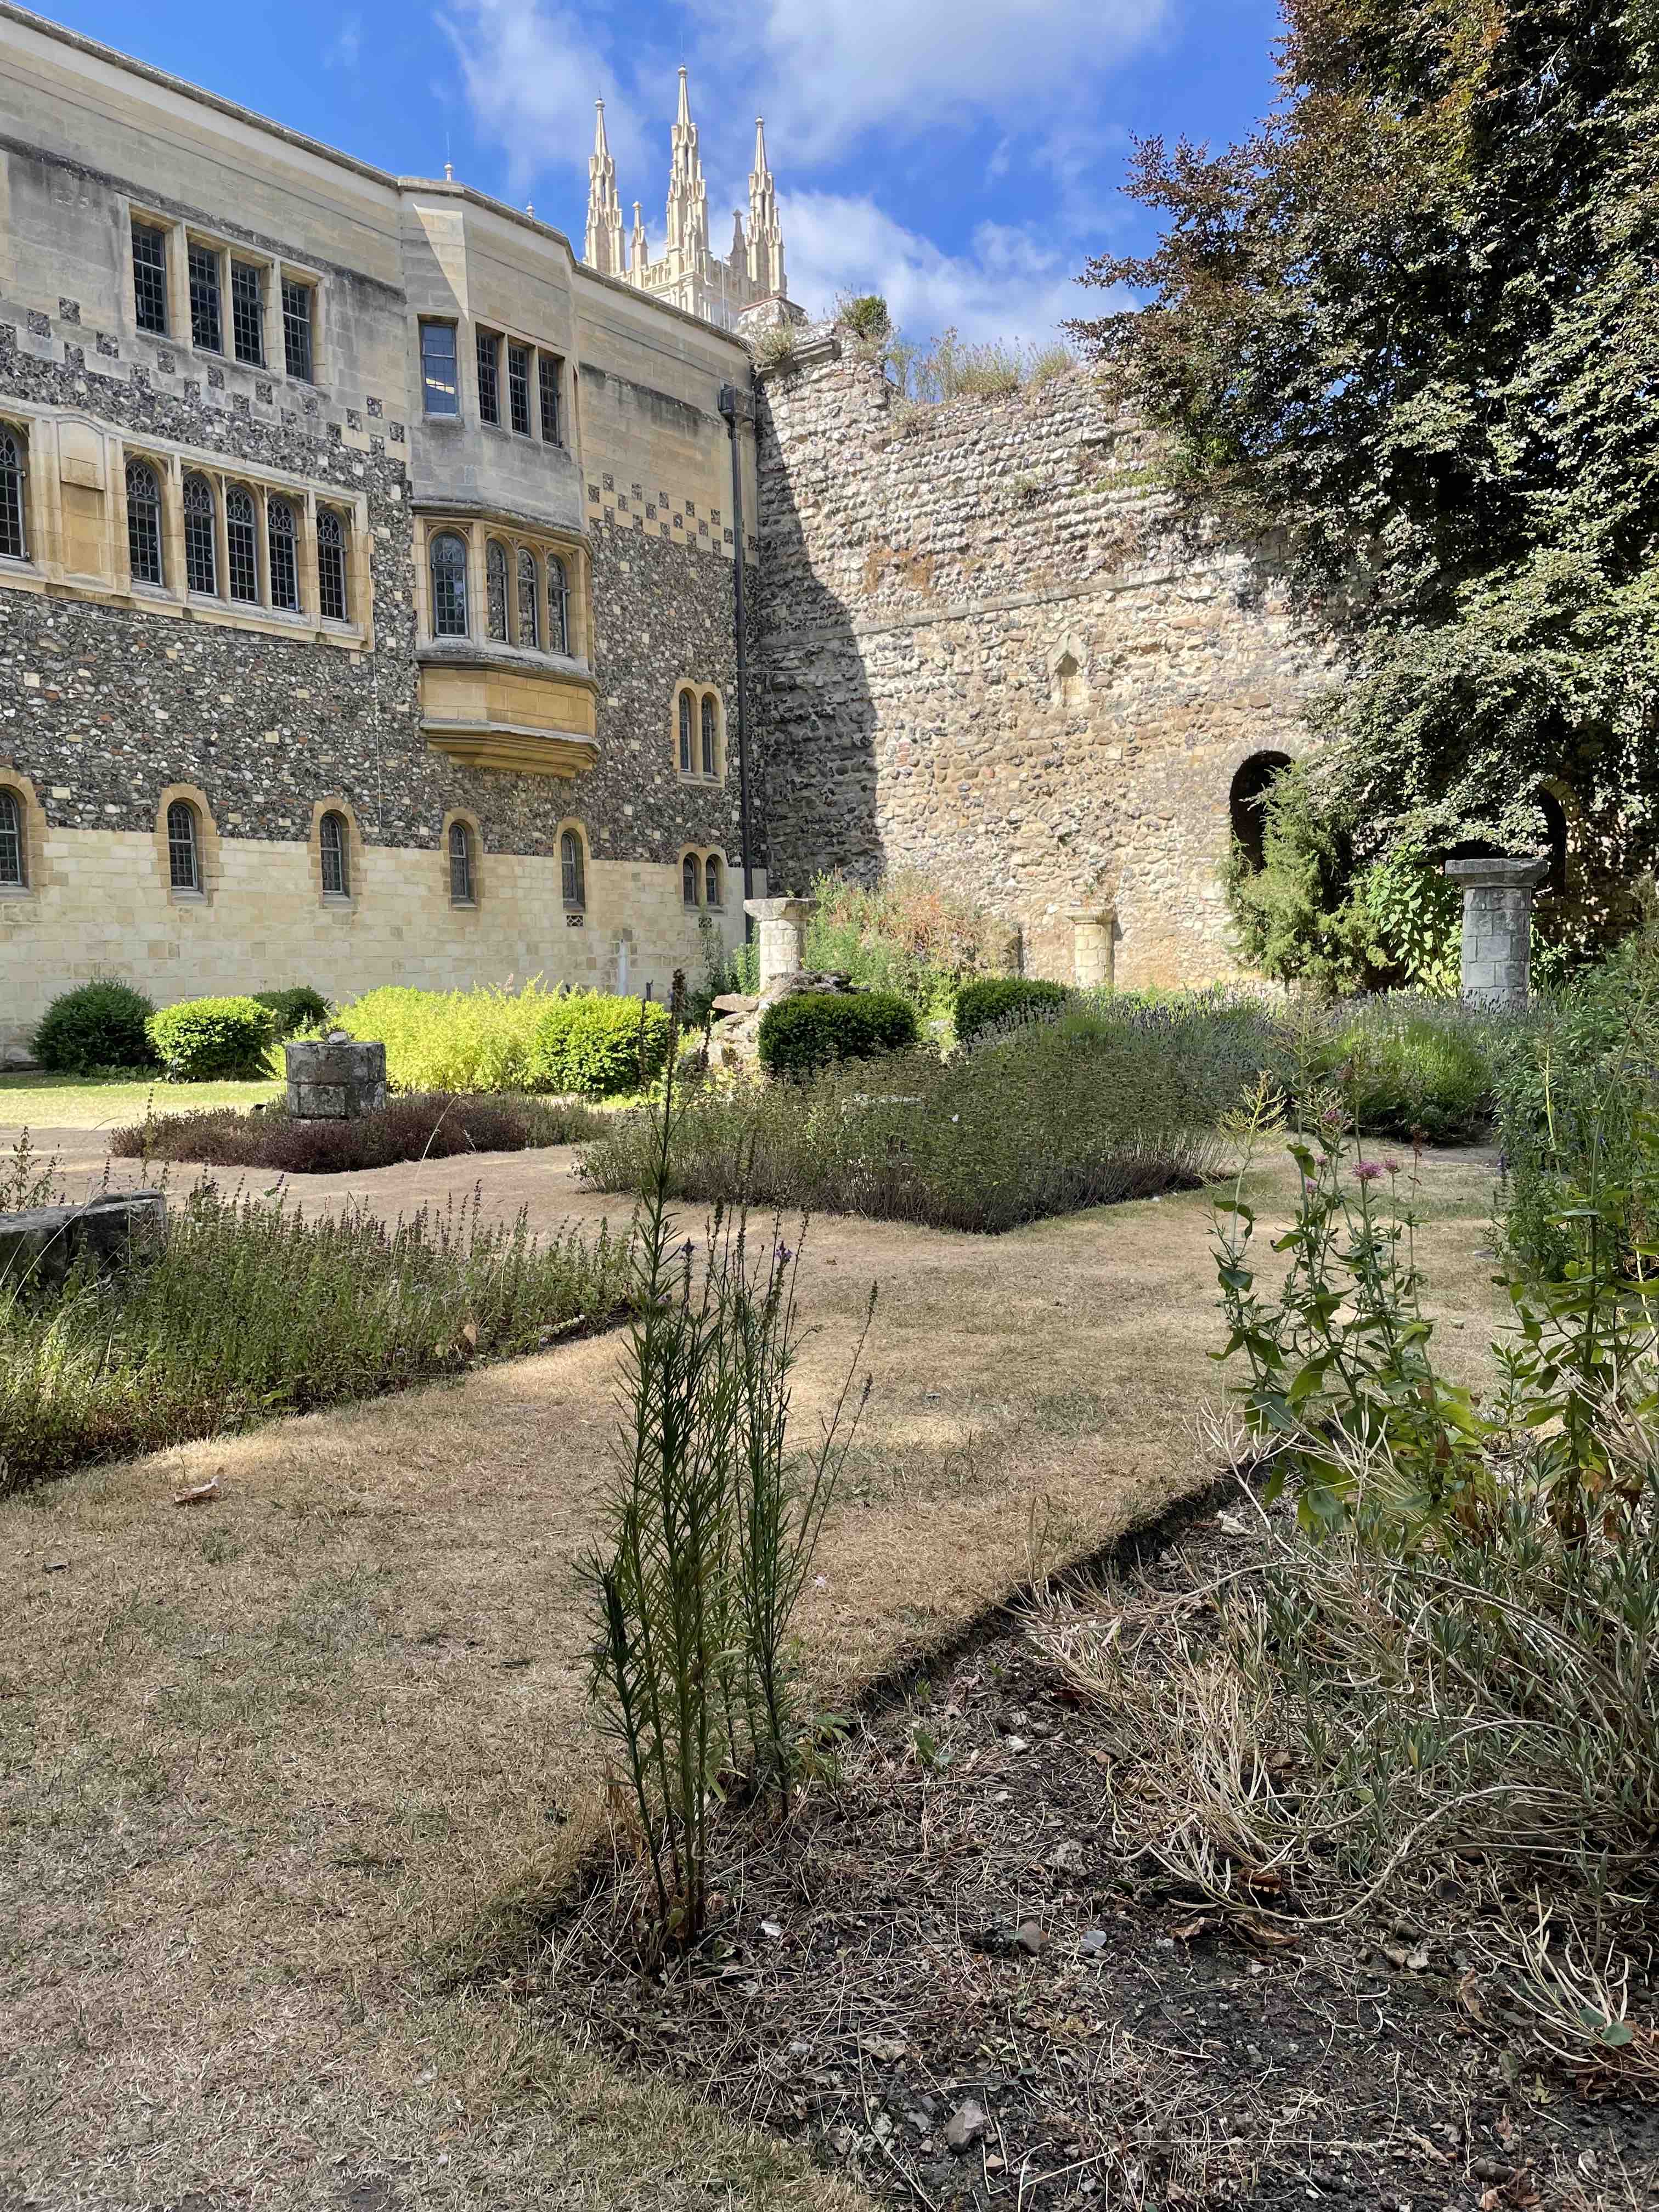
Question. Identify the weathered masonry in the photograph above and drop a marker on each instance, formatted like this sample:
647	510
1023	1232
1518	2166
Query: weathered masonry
981	659
366	568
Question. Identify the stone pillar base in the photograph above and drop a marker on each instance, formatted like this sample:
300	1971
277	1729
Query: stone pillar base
1497	896
337	1079
781	932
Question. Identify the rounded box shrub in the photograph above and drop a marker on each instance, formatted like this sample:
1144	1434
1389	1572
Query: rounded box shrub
802	1034
100	1025
599	1045
200	1040
297	1008
997	998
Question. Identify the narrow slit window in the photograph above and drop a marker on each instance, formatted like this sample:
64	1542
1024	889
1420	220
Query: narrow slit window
247	314
689	879
518	388
572	870
331	566
13	513
460	865
448	585
206	318
495	590
685	734
201	553
184	847
712	878
13	864
242	546
149	279
558	605
297	329
529	600
710	736
438	381
489	377
144	524
334	848
284	555
549	370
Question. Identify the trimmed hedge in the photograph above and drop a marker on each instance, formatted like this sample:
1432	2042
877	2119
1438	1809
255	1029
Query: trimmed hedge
803	1034
101	1024
599	1045
997	998
202	1040
293	1010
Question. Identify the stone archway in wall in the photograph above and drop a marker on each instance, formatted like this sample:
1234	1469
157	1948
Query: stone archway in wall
1247	803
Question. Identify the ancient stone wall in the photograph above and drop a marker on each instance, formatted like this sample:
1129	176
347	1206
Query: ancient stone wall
982	656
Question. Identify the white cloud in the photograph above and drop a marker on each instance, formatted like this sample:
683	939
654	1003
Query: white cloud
532	75
346	45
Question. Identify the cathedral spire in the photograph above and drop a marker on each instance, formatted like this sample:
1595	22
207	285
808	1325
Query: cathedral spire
765	231
639	255
688	196
603	248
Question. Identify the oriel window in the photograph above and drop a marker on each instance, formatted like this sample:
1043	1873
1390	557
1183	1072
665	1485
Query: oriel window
149	279
297	328
144	524
558	605
549	370
247	314
529	600
201	553
495	590
518	388
242	545
283	555
448	561
438	368
206	321
490	380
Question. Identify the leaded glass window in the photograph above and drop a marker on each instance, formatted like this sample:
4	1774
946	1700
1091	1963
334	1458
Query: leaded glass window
689	879
448	585
297	329
14	519
334	846
712	878
518	388
572	870
284	555
144	524
149	279
495	590
201	553
549	370
331	565
558	605
710	749
184	847
247	312
460	865
438	368
529	600
206	324
242	545
685	734
490	377
14	865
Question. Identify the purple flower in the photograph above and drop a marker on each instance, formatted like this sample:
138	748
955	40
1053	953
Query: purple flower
1367	1171
1393	1166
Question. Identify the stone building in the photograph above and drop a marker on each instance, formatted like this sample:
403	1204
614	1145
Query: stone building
368	568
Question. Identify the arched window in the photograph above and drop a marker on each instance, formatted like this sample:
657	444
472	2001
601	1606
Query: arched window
448	585
334	848
495	590
530	600
14	471
184	847
242	546
331	565
689	879
714	893
284	555
460	865
558	605
144	524
685	734
710	746
1247	803
571	868
13	862
201	555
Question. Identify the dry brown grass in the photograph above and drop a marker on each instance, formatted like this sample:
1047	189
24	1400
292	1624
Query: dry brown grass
276	1766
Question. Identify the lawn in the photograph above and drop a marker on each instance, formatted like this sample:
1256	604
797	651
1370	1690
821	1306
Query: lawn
280	1769
104	1102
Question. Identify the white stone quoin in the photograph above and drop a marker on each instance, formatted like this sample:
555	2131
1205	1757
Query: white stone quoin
1498	896
782	933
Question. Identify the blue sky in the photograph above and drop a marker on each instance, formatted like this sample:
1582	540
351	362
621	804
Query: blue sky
963	157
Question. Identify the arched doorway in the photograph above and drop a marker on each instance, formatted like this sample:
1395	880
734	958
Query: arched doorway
1247	803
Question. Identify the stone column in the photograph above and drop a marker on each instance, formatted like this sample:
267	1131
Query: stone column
782	933
1091	946
1497	896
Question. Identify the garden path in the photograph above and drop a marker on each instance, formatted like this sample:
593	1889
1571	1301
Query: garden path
277	1767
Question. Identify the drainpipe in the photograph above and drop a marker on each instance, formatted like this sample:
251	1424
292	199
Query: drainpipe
738	406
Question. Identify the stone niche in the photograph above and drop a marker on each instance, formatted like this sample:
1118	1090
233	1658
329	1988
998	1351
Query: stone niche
337	1079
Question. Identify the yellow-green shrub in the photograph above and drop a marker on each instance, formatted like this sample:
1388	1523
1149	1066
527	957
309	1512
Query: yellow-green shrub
491	1039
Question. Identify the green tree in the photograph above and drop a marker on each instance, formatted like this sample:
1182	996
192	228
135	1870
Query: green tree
1409	332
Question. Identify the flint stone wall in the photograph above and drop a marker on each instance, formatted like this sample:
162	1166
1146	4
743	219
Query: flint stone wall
982	656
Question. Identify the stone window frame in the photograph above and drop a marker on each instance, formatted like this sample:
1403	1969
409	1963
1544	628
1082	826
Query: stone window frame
461	817
699	693
573	826
336	802
479	534
21	430
34	825
275	270
700	857
542	359
207	846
